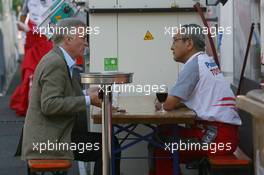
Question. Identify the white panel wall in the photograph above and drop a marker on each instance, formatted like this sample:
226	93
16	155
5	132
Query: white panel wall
143	3
102	45
157	3
105	44
151	61
102	3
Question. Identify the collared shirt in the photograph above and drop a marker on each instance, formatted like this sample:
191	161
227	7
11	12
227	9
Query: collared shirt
193	56
71	63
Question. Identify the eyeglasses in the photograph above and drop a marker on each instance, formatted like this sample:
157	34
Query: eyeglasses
177	39
184	38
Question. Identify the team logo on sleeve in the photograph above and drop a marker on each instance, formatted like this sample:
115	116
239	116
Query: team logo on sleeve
213	68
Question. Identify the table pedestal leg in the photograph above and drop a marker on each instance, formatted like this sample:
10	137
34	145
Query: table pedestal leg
106	131
175	155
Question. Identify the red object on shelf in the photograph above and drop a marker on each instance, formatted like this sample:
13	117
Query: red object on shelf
79	61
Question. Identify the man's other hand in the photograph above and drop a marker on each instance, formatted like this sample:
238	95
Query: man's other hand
157	105
171	103
94	99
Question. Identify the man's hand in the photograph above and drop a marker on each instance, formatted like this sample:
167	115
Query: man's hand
93	89
95	100
171	103
93	93
157	105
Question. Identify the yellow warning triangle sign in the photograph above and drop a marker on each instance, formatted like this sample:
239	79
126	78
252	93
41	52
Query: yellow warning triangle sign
148	36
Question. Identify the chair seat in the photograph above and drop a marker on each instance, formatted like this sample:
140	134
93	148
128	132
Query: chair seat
227	160
237	159
49	165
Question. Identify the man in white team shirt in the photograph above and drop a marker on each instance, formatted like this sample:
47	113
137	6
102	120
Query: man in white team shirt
201	87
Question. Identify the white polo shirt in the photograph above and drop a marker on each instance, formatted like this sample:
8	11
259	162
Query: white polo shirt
203	88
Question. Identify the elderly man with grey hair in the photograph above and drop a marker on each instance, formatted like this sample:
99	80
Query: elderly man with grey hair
201	87
53	123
